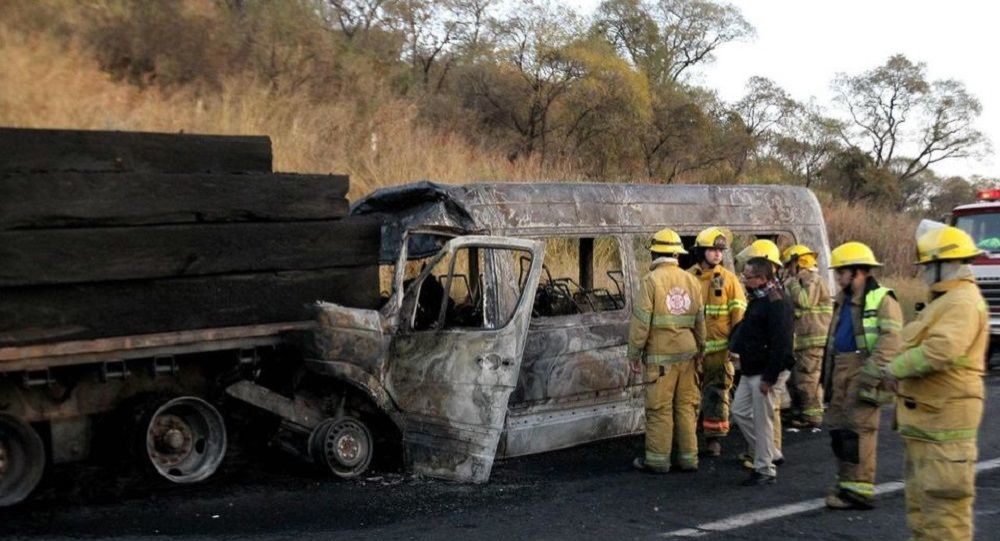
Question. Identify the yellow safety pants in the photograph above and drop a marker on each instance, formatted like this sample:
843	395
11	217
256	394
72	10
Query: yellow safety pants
853	428
940	487
717	384
672	398
807	401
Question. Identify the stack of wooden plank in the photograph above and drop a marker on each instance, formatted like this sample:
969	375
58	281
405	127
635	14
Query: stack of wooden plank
116	233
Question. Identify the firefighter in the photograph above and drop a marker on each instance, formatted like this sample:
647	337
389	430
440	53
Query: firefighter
725	304
666	345
938	379
864	332
813	309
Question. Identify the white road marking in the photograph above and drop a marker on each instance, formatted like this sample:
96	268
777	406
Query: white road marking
762	515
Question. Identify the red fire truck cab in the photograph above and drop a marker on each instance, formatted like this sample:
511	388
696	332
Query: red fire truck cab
981	220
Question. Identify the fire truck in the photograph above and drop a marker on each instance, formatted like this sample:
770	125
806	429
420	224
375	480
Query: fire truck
981	220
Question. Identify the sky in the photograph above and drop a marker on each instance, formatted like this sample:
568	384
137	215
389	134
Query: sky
803	44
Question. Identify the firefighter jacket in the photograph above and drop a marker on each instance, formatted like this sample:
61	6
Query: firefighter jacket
725	304
813	308
668	321
940	396
877	321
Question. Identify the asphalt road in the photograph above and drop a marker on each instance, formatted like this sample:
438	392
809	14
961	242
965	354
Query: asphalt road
588	492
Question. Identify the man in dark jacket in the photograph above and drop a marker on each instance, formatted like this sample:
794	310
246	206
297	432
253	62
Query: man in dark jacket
763	341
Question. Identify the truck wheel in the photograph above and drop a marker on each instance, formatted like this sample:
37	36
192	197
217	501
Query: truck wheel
22	459
342	445
185	439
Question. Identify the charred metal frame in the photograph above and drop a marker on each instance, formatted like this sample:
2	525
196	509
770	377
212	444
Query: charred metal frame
563	396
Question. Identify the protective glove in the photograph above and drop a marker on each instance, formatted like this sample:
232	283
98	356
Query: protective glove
871	388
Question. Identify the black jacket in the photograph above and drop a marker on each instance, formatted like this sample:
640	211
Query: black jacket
764	338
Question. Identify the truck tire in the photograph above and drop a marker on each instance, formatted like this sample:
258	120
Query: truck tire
183	439
22	459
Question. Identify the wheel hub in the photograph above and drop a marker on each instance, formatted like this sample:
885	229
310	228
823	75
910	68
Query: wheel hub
342	445
348	447
173	440
185	439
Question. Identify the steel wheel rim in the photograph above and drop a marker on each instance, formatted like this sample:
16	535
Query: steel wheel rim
23	459
185	440
343	446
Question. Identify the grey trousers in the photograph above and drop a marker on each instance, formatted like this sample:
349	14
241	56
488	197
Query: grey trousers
754	413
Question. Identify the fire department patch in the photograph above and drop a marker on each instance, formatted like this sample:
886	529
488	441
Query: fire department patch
678	301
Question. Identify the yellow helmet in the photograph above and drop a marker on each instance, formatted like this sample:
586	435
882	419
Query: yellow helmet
713	237
796	251
761	248
945	243
851	254
667	241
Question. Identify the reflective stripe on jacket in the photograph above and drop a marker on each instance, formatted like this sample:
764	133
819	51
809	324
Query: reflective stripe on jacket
725	304
940	371
668	319
872	323
883	322
813	308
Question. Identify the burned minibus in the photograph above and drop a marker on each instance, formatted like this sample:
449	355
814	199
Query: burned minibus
504	321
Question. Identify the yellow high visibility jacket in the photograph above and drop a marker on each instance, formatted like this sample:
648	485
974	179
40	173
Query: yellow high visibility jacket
940	396
813	308
725	304
877	320
668	321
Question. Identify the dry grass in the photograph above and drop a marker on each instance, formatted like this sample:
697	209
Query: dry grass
909	291
46	84
888	233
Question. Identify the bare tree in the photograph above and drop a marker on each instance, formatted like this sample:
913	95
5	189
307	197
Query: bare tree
431	29
694	29
905	122
764	106
949	131
475	14
354	17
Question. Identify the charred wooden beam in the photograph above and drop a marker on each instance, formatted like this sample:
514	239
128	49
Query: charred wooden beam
64	256
32	315
82	150
96	199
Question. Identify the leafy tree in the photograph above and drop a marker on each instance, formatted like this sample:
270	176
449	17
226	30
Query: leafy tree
950	193
762	110
532	73
665	38
690	131
805	141
853	175
604	109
